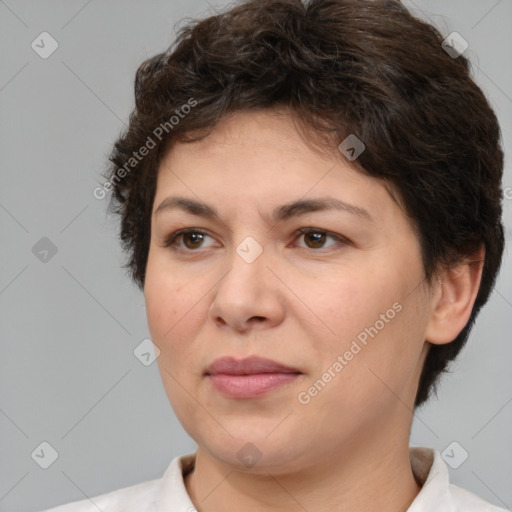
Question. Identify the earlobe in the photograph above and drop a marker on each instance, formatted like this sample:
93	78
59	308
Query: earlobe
455	294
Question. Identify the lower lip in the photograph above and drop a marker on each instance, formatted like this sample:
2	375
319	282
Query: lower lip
250	386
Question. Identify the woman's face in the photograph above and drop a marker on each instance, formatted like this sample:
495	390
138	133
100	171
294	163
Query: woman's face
343	308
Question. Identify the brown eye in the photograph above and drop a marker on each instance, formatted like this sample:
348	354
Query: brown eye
195	239
316	238
192	239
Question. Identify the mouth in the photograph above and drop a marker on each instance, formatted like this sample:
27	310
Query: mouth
251	377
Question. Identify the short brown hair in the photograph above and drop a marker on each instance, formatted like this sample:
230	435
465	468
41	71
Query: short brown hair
359	67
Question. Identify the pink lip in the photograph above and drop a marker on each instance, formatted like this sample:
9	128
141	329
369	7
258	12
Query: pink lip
248	366
250	377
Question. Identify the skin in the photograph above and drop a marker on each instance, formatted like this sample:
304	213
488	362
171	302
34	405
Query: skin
302	304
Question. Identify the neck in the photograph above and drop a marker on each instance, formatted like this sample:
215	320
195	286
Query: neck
348	480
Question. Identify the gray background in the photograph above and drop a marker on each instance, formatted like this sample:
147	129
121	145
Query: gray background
68	326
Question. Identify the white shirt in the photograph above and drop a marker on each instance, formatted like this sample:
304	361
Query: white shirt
169	494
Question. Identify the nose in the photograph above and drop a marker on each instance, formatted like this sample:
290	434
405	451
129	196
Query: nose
248	296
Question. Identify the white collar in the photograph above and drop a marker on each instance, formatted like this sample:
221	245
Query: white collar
429	469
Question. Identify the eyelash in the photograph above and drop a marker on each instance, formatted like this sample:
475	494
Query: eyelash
170	241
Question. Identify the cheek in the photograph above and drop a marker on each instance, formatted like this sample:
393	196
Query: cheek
372	318
176	311
166	299
345	303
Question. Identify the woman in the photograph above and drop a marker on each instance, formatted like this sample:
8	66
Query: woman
310	200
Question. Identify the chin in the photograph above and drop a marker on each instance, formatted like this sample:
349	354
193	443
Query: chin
253	450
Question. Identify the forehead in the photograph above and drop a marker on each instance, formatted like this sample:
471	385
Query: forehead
262	156
261	141
276	129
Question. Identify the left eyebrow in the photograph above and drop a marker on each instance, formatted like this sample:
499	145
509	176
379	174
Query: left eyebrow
281	213
303	206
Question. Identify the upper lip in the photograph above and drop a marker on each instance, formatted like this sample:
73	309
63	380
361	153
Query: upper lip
247	366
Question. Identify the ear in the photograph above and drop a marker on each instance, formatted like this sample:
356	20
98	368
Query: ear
453	297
